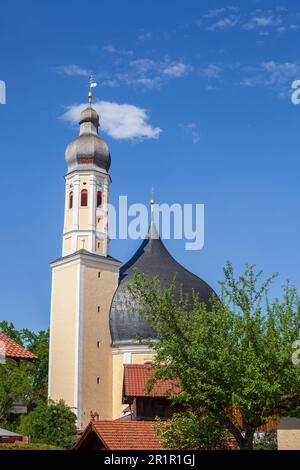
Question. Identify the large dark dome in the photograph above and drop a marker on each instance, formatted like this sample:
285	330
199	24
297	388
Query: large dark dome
152	258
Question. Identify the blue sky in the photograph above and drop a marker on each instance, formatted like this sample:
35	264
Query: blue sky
210	120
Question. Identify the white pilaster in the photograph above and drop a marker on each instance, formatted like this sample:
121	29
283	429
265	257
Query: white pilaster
76	196
92	213
66	203
78	345
105	215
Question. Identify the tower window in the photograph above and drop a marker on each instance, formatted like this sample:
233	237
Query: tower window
99	274
71	200
98	344
98	244
98	308
98	380
99	198
84	198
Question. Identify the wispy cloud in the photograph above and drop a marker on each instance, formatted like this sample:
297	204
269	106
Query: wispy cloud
146	36
176	69
224	23
263	20
191	129
73	70
211	71
119	121
272	74
149	73
109	49
277	19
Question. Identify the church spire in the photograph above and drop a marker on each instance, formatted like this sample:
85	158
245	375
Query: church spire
92	84
152	232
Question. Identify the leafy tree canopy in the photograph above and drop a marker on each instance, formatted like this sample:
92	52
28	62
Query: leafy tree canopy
50	423
26	381
236	354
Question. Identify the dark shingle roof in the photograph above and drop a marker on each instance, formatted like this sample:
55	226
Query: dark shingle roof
152	258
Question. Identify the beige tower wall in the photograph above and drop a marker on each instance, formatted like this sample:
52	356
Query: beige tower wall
77	361
97	359
63	333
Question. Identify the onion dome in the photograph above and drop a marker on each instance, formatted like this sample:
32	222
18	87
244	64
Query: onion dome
152	258
88	150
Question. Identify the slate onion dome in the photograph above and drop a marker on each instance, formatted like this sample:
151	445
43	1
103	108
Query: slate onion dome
152	258
88	150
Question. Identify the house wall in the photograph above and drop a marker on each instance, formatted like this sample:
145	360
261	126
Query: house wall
288	434
129	355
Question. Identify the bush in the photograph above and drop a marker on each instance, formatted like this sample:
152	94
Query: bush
268	441
51	423
23	446
189	431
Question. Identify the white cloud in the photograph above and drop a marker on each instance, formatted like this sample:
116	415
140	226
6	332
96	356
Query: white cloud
224	23
119	121
73	70
175	70
259	21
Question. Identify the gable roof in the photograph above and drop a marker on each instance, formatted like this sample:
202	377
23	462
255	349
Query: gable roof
136	377
14	350
121	435
6	433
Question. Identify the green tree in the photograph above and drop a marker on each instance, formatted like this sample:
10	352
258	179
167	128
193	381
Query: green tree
38	344
15	384
189	431
235	354
50	423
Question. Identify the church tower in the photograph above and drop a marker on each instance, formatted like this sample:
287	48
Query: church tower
84	280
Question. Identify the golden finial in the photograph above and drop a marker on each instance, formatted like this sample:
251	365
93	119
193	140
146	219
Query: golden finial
92	84
152	202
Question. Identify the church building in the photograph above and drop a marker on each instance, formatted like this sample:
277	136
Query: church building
93	329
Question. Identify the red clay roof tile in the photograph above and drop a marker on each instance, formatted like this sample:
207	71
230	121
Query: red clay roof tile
136	377
127	435
14	350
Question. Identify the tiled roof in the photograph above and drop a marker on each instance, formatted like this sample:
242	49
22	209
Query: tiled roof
125	435
136	377
14	350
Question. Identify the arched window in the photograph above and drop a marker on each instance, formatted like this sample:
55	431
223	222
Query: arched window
71	200
84	198
99	198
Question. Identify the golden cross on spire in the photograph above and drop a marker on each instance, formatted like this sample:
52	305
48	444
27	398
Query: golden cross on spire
92	84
